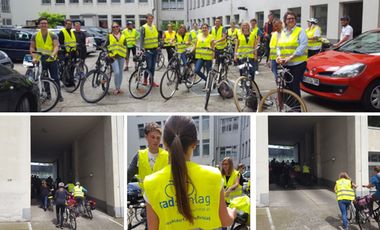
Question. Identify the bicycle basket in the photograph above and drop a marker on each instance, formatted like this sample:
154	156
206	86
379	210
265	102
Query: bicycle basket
92	204
362	202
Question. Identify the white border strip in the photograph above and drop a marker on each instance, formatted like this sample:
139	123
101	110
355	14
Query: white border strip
270	219
30	226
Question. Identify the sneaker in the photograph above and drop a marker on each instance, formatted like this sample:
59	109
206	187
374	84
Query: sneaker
257	72
60	99
155	84
57	226
61	227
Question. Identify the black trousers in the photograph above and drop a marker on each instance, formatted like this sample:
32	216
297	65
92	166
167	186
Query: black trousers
297	71
60	210
312	52
169	49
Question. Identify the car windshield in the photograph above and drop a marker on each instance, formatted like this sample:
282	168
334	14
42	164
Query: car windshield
367	43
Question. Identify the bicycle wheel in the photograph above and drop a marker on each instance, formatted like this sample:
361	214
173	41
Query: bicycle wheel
89	212
169	84
73	221
68	80
286	101
140	83
140	214
209	86
160	61
49	94
79	73
364	220
241	227
246	95
94	86
351	213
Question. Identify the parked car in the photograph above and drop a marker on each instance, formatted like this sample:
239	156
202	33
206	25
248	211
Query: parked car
5	60
99	38
348	73
15	42
90	40
17	93
99	30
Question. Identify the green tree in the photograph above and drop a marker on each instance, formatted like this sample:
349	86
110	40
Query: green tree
176	25
54	19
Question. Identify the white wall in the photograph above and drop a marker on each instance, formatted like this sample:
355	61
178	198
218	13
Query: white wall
262	157
15	168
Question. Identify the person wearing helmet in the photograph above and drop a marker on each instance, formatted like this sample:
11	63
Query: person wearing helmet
60	203
78	193
313	33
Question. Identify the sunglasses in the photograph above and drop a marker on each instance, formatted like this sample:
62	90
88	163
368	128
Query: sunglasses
115	26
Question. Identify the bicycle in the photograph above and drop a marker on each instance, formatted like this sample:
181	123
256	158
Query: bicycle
136	207
246	92
173	76
141	80
70	213
89	205
242	205
282	99
51	200
160	59
48	88
363	213
94	86
71	70
218	74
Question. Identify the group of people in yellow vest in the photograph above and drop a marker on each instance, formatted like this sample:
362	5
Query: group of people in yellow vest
179	193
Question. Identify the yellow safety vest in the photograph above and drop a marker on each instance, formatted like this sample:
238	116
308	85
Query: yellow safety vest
288	45
218	35
70	187
344	190
306	169
47	47
151	37
297	168
233	34
131	36
273	46
255	31
231	181
117	47
181	42
203	192
202	50
169	37
78	191
70	41
245	48
143	165
313	44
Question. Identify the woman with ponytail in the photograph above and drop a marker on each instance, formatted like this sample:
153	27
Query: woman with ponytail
185	195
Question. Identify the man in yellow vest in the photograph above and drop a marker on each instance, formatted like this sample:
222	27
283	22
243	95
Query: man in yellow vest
132	35
277	28
313	33
169	38
219	33
68	43
257	33
78	193
194	32
232	33
149	42
47	43
345	194
151	159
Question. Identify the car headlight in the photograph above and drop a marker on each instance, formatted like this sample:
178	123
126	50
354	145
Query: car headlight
350	71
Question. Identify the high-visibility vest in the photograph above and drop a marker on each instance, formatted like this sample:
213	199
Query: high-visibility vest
78	191
204	196
218	35
202	50
194	33
313	44
306	169
288	45
181	42
273	46
144	167
169	37
297	167
231	181
255	31
245	48
47	47
70	187
131	36
232	34
117	47
344	190
69	41
151	37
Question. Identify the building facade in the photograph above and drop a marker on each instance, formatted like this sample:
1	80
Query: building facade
5	13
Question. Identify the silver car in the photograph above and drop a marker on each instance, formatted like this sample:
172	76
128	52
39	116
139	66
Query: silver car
5	60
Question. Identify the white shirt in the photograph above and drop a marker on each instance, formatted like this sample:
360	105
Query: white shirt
347	30
152	158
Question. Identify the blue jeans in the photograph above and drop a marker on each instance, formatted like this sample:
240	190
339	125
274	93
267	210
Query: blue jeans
184	59
151	59
198	67
52	67
343	206
117	67
274	69
44	200
251	70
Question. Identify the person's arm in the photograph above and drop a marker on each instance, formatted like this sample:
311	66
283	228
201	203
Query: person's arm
235	185
56	47
61	38
132	169
317	34
32	48
153	221
226	215
84	190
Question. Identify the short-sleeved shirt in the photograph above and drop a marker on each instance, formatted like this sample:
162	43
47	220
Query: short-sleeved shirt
347	30
52	35
375	180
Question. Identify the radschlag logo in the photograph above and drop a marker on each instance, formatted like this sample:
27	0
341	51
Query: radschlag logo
193	196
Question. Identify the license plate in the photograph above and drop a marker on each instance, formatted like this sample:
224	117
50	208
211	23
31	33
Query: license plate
310	80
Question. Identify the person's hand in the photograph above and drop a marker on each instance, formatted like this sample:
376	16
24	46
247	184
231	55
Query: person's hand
287	59
334	45
235	59
279	60
34	61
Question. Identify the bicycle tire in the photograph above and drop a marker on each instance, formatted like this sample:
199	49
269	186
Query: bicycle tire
69	87
137	78
250	100
160	62
350	213
241	227
80	71
94	80
73	221
293	103
89	212
168	80
363	220
190	78
48	97
209	87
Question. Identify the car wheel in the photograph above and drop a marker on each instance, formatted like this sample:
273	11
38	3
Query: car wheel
23	105
371	98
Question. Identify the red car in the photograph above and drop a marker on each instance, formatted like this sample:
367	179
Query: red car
348	73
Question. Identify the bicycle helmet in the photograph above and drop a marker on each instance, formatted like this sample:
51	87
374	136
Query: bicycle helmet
313	20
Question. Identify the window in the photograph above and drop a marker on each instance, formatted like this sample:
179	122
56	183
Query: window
87	1
374	121
237	18
373	161
46	1
320	12
142	147
7	21
116	18
115	1
103	21
206	147
276	13
129	1
196	150
207	2
196	121
5	33
213	1
203	3
102	1
22	36
142	19
205	123
141	129
59	1
143	1
260	19
130	18
230	124
74	1
228	19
